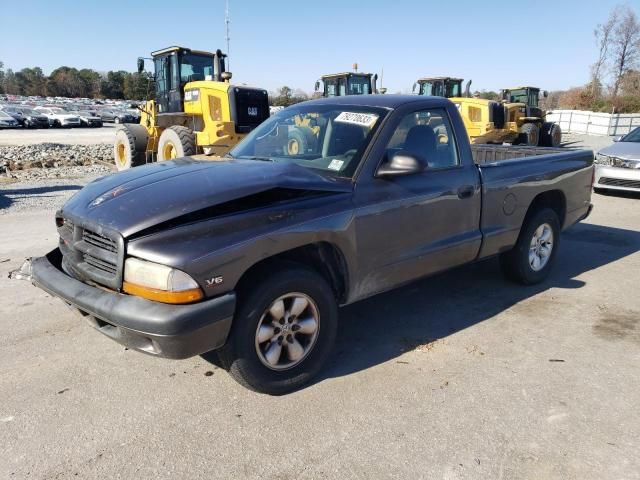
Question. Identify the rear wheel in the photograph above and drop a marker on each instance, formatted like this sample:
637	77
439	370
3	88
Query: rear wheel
533	256
130	146
283	331
530	134
176	142
551	135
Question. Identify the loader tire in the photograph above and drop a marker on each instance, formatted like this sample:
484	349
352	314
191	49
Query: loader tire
530	135
176	142
130	146
551	135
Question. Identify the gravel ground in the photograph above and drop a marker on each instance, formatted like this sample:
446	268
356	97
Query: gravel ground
461	376
44	188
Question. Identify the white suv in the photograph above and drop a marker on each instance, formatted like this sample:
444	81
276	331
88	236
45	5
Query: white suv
59	117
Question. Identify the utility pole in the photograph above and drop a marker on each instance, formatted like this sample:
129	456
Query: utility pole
227	21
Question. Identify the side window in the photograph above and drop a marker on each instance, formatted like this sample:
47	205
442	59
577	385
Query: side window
161	82
342	87
175	73
426	134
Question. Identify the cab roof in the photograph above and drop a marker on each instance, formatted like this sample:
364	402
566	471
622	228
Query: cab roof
426	79
391	101
176	48
521	88
345	74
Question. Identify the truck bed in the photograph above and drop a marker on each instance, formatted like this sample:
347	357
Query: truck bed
483	153
513	176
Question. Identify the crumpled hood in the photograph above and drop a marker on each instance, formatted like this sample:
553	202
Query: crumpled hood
143	197
624	150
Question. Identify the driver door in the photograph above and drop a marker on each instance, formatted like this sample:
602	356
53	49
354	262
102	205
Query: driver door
414	225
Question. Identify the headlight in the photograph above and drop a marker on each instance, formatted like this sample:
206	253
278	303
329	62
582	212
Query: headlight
159	282
602	159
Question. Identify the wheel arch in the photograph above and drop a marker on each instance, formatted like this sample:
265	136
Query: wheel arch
323	257
553	199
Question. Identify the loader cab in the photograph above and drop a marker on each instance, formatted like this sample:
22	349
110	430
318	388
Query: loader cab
439	87
175	67
530	96
349	83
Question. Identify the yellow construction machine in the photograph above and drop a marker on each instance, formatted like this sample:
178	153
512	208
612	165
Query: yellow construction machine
195	110
448	87
348	83
522	105
517	119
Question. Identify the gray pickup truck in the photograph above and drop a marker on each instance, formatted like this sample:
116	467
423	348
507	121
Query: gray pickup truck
326	203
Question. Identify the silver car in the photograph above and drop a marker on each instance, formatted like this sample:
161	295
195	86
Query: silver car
618	165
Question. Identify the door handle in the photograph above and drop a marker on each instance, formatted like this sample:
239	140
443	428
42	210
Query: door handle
466	191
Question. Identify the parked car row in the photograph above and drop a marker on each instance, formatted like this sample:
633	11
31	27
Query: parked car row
67	116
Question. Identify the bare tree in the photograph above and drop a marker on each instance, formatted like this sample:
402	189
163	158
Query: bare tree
603	34
625	43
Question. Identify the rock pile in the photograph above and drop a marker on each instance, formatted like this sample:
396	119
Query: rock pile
53	155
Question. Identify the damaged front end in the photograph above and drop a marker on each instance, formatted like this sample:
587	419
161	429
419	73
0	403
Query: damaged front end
24	272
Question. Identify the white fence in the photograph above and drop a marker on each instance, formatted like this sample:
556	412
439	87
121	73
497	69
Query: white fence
594	123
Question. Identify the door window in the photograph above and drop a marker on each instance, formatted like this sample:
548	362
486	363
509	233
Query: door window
427	135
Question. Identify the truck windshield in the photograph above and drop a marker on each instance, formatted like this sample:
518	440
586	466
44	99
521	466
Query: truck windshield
330	138
453	89
196	67
518	96
432	88
359	85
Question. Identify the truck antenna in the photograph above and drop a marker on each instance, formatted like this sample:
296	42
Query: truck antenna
227	38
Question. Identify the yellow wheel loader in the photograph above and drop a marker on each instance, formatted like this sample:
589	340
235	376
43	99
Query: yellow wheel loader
195	110
485	120
447	87
347	83
530	120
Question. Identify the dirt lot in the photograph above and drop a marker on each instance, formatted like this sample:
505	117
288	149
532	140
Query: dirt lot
74	136
461	376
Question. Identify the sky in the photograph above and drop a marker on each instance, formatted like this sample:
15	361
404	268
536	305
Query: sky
286	42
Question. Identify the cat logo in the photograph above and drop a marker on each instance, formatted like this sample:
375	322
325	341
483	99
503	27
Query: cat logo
215	281
253	111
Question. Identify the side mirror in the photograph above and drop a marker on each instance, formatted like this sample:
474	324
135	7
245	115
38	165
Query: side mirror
618	138
413	90
401	163
140	65
317	85
545	94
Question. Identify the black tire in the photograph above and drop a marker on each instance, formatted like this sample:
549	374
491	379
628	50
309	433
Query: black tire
57	124
299	141
551	135
130	146
239	355
530	134
180	140
515	263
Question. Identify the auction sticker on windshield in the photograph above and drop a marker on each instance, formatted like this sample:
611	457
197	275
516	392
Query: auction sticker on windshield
364	119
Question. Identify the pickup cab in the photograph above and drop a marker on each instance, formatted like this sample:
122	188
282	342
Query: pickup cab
326	203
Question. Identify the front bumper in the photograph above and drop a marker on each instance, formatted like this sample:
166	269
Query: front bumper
169	331
617	178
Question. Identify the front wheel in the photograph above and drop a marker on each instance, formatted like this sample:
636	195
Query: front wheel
532	258
530	134
283	331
